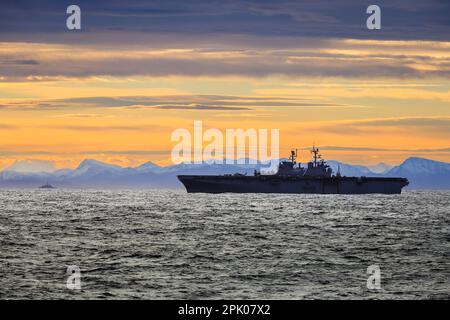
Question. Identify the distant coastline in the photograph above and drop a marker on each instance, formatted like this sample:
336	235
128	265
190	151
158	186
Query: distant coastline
422	173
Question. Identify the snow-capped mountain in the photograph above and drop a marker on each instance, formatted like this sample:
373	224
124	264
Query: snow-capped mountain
423	173
380	168
416	165
148	167
94	167
350	170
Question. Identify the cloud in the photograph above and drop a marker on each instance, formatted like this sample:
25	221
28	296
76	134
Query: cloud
31	165
425	126
82	115
78	153
364	149
10	153
408	122
6	126
415	19
19	62
360	89
331	58
103	128
195	107
170	102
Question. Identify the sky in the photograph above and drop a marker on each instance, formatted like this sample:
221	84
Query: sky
137	70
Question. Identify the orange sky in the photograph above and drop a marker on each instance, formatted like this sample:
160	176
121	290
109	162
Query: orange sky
127	119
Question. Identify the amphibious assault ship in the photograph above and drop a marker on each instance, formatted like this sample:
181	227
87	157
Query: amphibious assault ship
291	177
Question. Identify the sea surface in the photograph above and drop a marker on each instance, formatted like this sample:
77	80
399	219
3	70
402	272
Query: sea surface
162	244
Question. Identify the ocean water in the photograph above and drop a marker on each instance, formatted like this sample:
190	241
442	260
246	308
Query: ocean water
162	244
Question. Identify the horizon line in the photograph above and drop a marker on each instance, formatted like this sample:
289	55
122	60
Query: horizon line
258	162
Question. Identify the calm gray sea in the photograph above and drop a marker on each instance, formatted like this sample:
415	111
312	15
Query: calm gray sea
168	244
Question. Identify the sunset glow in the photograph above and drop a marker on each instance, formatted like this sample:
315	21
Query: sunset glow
66	97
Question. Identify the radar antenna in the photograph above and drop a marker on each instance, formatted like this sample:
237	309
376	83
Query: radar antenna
316	155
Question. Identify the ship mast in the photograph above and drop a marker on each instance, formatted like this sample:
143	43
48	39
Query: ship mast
316	155
293	156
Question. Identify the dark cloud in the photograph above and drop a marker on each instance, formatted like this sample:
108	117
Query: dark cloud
45	20
295	38
20	62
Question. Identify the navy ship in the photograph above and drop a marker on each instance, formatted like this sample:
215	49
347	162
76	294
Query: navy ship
291	177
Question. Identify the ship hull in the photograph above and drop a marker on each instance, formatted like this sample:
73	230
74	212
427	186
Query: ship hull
277	184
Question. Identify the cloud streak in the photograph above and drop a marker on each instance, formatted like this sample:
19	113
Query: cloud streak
332	58
364	149
6	126
85	152
418	125
103	128
171	102
197	107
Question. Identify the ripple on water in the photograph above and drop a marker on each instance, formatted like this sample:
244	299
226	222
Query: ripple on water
169	244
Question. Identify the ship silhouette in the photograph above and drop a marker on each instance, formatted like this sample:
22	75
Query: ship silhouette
47	186
291	177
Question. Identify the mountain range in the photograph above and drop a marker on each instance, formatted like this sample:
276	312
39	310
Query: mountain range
422	173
